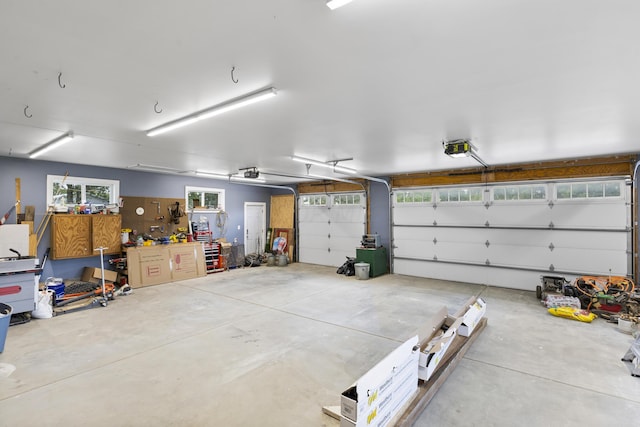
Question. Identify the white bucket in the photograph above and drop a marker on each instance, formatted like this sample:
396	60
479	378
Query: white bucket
625	326
362	270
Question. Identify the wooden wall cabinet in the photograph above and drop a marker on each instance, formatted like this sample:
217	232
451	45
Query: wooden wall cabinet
76	236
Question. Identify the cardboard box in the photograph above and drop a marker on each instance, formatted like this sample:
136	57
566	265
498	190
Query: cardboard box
187	261
148	266
437	335
472	317
381	392
153	265
94	275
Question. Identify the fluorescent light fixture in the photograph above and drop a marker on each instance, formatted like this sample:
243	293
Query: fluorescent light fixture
243	179
212	175
334	4
333	164
214	111
157	168
54	143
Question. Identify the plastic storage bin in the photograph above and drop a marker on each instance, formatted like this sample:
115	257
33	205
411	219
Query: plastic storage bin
5	319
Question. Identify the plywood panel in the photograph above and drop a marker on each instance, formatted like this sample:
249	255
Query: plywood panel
282	210
71	236
106	233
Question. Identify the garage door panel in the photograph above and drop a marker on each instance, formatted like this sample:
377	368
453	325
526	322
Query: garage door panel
520	256
592	239
521	239
450	234
313	255
414	215
590	261
313	214
459	251
314	241
531	214
460	214
414	233
441	270
539	238
415	249
327	234
596	215
312	229
337	257
351	230
346	214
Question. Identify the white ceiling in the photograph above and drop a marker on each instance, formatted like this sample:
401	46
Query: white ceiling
379	81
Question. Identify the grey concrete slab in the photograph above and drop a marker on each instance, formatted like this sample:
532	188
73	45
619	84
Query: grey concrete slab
270	346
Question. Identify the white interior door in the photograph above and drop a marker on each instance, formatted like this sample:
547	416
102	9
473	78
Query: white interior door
255	223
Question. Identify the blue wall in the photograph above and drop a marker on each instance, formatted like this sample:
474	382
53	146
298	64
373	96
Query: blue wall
33	179
379	205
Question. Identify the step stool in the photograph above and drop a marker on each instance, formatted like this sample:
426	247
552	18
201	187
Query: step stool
633	356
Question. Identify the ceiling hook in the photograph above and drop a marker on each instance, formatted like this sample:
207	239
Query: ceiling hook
28	116
62	86
155	108
232	78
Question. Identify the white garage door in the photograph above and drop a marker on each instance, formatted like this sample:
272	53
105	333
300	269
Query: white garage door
330	227
510	234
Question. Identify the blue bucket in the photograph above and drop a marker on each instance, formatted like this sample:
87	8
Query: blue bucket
57	288
5	319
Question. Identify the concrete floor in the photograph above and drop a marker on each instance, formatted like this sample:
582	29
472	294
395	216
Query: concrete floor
269	346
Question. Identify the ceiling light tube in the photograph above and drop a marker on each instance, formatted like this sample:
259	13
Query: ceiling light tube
334	4
157	168
214	111
212	175
243	179
54	143
329	165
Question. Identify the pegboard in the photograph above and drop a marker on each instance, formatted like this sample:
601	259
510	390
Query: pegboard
155	217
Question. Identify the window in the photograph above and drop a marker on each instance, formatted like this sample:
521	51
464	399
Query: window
65	192
346	199
205	199
468	194
414	196
588	190
520	192
314	200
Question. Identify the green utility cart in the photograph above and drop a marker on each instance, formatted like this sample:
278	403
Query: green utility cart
376	258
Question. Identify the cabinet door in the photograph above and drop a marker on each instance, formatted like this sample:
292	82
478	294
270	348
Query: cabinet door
71	236
106	231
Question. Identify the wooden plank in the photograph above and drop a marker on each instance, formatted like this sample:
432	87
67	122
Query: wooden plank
575	168
18	195
427	390
332	411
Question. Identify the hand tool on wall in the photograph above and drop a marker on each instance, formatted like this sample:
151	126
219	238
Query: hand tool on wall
8	214
158	204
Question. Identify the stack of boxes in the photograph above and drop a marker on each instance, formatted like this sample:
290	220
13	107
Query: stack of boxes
382	392
389	387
